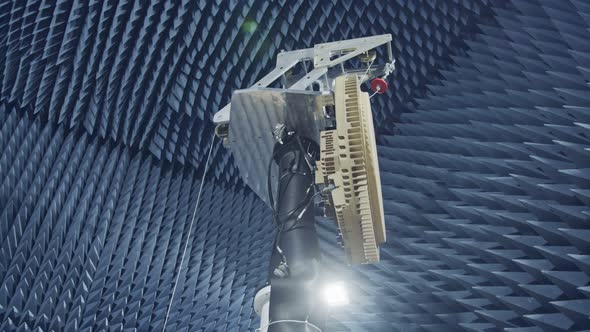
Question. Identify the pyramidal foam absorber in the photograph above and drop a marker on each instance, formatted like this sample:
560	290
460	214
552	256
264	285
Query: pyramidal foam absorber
486	188
92	238
150	74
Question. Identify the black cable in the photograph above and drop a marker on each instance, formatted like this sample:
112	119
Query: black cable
302	206
294	226
309	163
299	205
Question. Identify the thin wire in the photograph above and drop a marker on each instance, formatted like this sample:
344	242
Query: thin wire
290	321
374	93
368	68
190	229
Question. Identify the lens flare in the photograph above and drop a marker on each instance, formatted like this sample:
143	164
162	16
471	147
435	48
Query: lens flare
249	26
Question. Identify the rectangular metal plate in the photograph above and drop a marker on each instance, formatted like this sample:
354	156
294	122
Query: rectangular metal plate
254	115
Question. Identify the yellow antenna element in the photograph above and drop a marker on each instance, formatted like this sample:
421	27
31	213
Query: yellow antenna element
348	160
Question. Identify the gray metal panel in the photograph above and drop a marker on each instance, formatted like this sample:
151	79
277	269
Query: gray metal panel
255	113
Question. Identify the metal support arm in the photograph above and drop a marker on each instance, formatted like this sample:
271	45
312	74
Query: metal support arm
324	57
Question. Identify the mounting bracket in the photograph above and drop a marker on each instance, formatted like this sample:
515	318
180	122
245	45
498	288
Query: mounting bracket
324	56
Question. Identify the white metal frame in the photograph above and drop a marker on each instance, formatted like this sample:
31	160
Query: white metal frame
324	56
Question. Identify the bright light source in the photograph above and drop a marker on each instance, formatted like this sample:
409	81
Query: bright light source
335	294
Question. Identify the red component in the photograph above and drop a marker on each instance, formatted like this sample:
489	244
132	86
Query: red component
379	85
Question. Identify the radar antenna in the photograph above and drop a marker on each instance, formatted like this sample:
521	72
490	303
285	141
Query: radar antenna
303	136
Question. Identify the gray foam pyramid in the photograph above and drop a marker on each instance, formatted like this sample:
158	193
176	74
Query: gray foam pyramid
93	235
150	74
105	125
